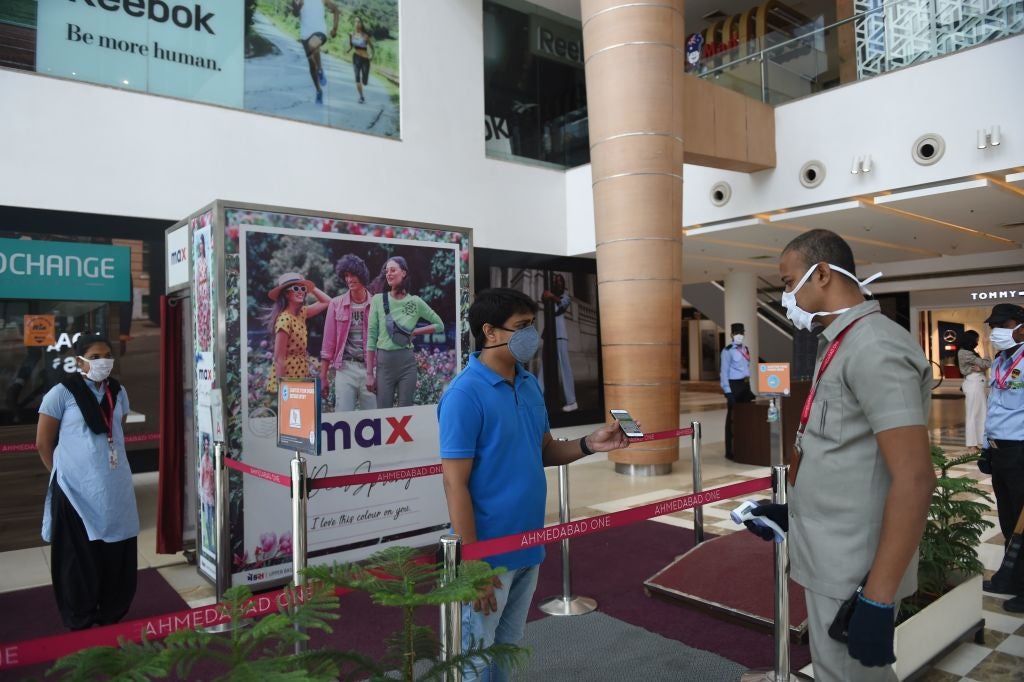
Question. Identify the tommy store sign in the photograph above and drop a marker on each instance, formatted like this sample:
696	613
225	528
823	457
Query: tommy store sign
997	294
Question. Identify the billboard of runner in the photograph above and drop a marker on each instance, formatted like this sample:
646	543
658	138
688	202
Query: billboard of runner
329	62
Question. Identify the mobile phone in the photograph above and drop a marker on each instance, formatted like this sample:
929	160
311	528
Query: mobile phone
626	423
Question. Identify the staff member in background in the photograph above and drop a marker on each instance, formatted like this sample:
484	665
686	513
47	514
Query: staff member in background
1004	429
972	367
862	477
89	517
735	379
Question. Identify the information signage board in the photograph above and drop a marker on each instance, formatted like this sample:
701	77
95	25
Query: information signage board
298	416
64	271
773	378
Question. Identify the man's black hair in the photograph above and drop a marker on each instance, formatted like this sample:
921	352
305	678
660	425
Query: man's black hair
823	246
494	307
86	340
354	264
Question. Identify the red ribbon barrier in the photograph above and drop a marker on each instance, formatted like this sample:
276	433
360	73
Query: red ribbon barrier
336	481
31	447
562	531
44	649
279	479
375	477
663	435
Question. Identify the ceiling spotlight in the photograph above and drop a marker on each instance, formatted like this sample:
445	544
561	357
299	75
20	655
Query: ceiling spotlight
861	164
990	137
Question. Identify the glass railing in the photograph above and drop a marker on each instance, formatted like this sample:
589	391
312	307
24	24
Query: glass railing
882	36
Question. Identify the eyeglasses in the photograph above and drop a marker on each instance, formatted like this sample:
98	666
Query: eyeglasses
297	288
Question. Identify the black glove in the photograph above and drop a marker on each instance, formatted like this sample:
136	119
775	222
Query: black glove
779	513
872	628
985	461
729	399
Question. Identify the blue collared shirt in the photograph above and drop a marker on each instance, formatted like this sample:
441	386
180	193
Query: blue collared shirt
734	365
103	497
500	425
1005	419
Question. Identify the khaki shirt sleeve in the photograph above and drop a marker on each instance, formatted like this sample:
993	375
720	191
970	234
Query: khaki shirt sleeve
886	376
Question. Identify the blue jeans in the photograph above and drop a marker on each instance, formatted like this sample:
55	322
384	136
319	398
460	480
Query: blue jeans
504	626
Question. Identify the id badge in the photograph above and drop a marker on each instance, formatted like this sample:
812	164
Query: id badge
111	455
794	463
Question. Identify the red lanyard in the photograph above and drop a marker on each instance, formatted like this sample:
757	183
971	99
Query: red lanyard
805	415
745	353
1000	381
109	421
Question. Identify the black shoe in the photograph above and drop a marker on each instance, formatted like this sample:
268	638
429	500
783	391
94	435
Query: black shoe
1015	605
996	586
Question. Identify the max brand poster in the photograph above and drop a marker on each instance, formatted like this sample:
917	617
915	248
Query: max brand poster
192	50
305	307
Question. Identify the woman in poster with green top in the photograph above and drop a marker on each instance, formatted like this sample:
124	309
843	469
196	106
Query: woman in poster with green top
394	314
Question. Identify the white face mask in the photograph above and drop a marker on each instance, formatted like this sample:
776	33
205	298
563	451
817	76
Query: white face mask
99	369
1003	338
738	339
804	320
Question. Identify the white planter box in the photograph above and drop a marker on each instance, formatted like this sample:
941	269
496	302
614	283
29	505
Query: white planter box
941	623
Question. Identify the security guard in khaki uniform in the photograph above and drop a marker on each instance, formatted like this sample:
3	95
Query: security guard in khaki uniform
862	476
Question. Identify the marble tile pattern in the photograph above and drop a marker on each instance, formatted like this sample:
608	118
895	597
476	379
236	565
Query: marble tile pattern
597	489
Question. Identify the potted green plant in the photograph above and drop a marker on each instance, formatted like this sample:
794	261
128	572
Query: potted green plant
265	651
947	604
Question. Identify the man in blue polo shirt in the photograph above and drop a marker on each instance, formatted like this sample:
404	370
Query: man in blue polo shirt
495	443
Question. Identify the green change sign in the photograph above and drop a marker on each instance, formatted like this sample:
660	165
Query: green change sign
64	271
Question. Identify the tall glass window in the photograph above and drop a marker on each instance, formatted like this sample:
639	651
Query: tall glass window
535	97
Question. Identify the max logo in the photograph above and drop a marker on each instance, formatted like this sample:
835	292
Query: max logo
178	256
367	432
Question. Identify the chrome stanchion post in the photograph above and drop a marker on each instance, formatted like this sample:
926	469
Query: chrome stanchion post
222	534
698	483
298	490
451	613
781	672
566	604
221	531
781	582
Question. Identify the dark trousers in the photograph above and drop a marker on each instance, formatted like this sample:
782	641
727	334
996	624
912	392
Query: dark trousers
741	393
1008	483
93	581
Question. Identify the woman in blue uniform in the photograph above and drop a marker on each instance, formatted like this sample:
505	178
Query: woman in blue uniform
90	517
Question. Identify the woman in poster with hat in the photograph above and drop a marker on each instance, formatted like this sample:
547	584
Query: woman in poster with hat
287	322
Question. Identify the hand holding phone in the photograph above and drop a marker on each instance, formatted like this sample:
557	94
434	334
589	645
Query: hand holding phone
627	424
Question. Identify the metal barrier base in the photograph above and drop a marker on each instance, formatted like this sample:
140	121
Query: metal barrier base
643	469
574	606
226	627
769	676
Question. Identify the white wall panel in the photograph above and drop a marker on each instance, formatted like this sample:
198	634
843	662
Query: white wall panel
78	147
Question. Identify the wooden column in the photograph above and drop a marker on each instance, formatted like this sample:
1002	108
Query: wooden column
635	58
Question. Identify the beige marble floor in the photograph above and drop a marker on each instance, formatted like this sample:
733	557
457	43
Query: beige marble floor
595	488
